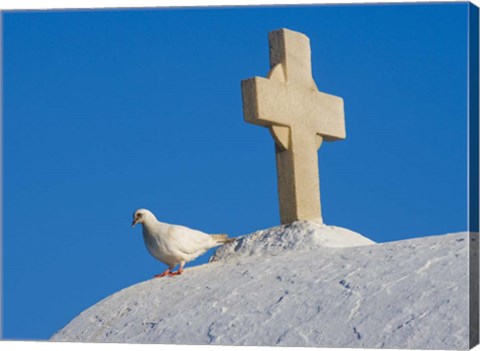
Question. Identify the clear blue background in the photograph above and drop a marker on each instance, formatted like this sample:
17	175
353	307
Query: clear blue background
109	111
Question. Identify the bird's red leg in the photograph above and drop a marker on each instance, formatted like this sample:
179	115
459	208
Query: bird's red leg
180	270
171	274
167	272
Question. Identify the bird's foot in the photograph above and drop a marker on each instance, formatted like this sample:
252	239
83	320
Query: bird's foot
167	272
171	274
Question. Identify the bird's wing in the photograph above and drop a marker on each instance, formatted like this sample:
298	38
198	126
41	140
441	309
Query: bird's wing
189	240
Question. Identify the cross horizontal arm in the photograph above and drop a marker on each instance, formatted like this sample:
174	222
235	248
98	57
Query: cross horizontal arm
267	102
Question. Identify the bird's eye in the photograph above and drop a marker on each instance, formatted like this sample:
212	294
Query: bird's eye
139	215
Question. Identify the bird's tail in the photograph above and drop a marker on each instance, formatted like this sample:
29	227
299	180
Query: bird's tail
222	238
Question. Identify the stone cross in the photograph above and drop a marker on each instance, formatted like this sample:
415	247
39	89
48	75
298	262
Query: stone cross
299	118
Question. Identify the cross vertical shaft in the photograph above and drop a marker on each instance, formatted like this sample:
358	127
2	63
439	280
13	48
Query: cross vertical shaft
298	199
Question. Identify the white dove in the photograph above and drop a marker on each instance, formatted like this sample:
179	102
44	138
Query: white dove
174	244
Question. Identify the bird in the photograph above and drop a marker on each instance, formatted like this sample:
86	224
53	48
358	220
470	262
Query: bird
174	244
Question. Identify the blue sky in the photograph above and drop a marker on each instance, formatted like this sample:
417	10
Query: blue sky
109	111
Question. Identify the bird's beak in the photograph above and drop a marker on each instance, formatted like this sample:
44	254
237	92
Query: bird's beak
134	222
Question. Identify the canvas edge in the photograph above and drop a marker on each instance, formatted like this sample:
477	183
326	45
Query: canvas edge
473	171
